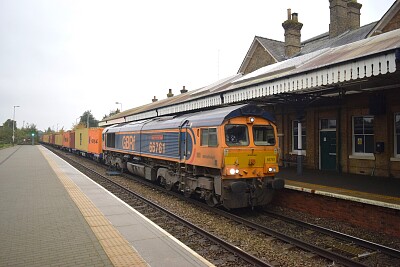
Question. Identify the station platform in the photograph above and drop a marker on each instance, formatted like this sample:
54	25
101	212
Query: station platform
373	190
53	215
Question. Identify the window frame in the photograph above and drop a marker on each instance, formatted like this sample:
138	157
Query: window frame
354	153
238	144
396	135
304	144
207	134
265	126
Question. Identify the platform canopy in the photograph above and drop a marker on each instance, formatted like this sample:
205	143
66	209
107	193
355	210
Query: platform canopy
313	72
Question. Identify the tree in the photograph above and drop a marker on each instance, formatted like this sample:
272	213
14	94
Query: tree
6	132
21	135
26	134
112	112
92	121
49	130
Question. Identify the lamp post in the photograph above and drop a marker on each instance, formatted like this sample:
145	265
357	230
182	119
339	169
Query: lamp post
13	136
119	104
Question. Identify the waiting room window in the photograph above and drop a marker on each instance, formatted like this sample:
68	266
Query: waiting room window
295	134
209	137
363	135
397	135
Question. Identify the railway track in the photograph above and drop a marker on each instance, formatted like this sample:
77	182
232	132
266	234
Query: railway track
337	247
211	246
354	246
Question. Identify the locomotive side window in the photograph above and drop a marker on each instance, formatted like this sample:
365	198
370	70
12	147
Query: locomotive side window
209	137
236	135
263	135
110	141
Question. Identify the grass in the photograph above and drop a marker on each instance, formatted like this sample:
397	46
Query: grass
2	146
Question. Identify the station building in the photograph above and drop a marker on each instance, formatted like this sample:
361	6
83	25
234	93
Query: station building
336	96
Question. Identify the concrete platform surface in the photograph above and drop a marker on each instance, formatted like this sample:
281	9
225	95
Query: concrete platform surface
53	215
379	191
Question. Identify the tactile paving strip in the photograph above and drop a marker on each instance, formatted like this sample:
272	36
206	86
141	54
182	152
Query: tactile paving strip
120	252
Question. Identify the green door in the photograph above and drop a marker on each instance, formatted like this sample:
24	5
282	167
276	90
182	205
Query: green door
328	150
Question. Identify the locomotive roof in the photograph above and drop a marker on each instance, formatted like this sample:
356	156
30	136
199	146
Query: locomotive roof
213	117
218	116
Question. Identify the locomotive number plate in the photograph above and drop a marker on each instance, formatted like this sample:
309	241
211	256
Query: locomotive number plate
270	159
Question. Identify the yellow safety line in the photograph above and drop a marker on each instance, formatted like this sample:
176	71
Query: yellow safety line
117	248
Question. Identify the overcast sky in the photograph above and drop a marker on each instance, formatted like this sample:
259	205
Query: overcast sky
59	58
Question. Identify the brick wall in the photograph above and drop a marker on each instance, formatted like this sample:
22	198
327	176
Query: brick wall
259	59
352	105
393	24
378	219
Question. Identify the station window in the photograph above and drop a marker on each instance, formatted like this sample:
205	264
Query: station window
397	135
209	137
295	135
327	124
363	135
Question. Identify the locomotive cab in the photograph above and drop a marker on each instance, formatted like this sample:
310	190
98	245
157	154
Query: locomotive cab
249	162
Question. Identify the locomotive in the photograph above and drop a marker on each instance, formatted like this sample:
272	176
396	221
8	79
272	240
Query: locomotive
226	156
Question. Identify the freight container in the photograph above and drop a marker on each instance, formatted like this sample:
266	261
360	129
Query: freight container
82	140
46	138
52	139
95	144
69	140
58	139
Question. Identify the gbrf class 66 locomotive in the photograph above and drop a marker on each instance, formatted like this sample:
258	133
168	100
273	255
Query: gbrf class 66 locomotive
227	156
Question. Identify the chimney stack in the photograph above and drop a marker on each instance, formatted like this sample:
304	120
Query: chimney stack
353	15
292	28
344	15
170	94
154	99
183	90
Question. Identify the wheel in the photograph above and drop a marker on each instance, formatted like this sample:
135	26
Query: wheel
187	193
211	200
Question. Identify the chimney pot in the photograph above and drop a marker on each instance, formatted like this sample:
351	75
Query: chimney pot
154	99
295	17
183	90
170	94
289	14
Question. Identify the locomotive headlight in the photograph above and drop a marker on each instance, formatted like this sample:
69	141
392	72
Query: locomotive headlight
250	120
232	171
271	169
